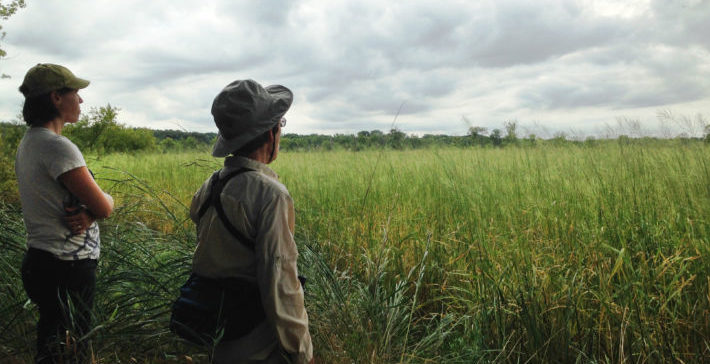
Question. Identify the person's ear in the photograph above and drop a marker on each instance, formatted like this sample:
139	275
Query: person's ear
56	98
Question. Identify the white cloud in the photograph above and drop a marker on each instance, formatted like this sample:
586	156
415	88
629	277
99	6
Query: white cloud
552	63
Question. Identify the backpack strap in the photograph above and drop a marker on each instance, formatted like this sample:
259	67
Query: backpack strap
208	202
216	186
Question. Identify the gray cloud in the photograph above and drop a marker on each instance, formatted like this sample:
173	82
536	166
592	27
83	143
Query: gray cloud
528	33
680	23
634	76
352	64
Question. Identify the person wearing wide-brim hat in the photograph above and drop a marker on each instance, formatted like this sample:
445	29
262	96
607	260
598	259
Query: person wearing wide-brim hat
262	250
60	204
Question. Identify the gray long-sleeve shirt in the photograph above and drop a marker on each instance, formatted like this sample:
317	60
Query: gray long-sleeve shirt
259	206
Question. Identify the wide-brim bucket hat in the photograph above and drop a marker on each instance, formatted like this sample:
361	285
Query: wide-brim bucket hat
244	110
46	77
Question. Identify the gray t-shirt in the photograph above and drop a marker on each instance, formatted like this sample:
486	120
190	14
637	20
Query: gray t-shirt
41	158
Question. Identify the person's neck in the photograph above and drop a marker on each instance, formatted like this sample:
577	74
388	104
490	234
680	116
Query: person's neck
263	154
56	125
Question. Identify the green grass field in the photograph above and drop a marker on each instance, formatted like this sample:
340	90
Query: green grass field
587	254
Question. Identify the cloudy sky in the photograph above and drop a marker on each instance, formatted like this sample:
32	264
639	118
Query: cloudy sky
581	67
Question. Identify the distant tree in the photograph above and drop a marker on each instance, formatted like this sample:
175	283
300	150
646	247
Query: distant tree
99	131
684	138
496	138
476	135
6	11
377	138
510	131
87	132
531	139
475	131
168	144
189	143
395	138
203	139
363	140
287	142
344	141
623	139
10	136
560	138
122	139
414	141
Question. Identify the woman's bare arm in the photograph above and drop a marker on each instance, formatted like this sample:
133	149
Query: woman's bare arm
82	185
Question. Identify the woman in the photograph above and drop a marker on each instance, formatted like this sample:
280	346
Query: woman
246	232
60	205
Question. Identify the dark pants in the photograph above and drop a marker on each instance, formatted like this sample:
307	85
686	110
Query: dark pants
64	292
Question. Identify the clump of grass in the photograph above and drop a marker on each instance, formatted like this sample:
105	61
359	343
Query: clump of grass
17	325
139	273
374	315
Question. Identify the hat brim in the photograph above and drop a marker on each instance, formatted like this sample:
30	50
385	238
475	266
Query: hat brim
224	147
78	83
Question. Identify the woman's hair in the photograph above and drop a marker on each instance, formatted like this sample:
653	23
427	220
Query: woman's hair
255	143
40	109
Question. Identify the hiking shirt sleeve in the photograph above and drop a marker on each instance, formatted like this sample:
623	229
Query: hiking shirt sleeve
277	275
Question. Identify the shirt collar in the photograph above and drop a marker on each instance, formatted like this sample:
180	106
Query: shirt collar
234	162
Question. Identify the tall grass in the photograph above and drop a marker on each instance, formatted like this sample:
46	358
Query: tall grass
548	254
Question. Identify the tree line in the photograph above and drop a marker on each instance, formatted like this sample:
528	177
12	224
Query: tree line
99	132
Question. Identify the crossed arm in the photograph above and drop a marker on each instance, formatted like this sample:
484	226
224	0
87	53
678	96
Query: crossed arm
96	204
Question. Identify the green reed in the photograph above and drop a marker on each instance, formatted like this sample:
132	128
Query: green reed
544	254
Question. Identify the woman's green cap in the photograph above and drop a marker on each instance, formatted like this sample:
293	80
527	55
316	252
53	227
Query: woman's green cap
46	77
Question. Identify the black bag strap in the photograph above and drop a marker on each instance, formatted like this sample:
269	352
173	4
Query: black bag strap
216	186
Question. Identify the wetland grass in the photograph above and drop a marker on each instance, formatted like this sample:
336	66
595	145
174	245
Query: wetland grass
545	254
